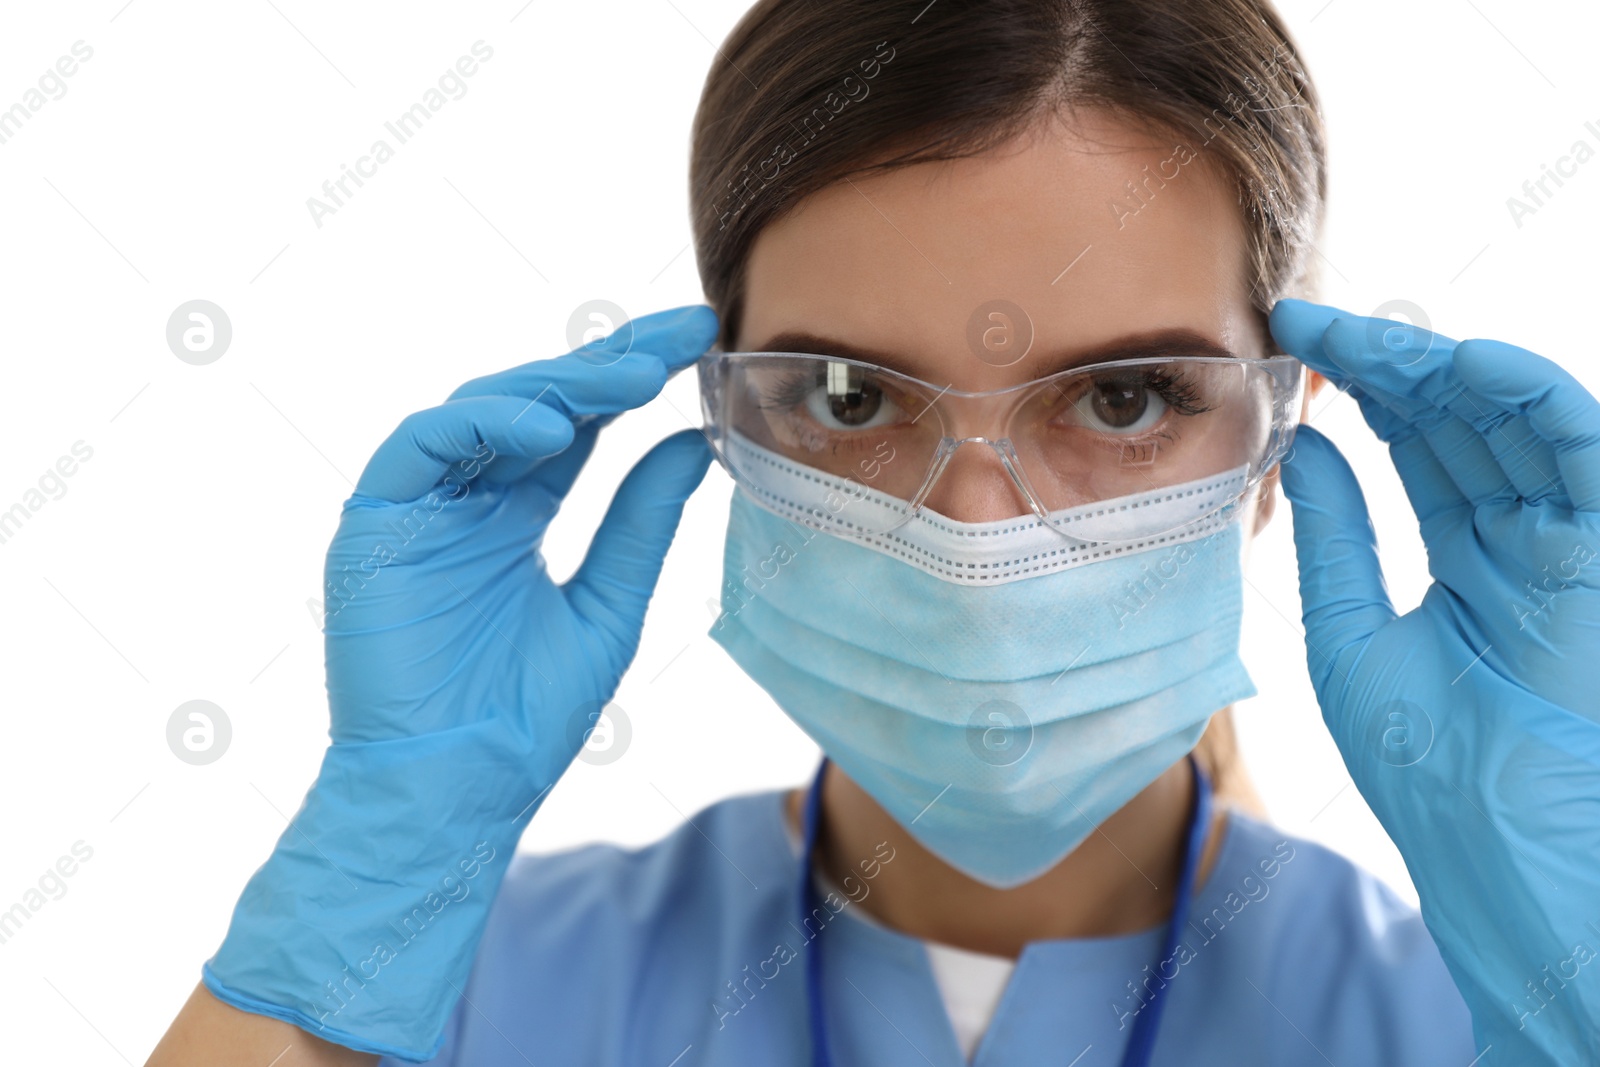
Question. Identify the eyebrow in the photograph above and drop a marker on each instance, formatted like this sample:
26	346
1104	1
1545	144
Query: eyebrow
1172	341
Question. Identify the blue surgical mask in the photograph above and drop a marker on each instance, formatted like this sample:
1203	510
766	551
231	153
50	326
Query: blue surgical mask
1000	690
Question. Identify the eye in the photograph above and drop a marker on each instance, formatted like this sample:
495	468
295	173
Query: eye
1124	404
846	398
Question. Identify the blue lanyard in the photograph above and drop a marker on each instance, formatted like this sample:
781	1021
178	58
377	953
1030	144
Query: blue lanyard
1143	1038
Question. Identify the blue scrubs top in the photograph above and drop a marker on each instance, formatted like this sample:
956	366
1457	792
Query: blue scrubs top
689	953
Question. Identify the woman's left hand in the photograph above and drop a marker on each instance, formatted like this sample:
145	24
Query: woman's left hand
1470	724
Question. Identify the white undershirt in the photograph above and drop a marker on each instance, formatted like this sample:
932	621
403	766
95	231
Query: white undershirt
970	983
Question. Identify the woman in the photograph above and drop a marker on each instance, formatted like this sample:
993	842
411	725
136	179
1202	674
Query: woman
993	368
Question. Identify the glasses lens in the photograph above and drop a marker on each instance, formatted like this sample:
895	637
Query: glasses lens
1115	453
864	436
1170	442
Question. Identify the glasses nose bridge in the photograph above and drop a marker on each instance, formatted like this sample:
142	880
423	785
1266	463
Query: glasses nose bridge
1009	460
989	413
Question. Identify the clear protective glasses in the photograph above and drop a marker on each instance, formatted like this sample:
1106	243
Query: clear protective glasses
1161	442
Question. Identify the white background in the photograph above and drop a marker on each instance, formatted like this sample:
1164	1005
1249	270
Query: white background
179	562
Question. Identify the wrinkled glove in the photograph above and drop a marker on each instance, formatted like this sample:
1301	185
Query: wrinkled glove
1470	724
461	681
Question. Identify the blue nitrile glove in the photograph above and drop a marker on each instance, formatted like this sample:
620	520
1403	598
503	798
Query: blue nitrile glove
1471	724
462	681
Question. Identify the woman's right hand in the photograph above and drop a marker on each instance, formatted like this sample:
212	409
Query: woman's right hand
439	611
462	681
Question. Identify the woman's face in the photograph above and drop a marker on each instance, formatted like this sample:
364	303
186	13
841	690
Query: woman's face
890	269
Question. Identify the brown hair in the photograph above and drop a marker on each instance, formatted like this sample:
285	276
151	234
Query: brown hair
806	92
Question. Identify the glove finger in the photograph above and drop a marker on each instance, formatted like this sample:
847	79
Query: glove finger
1410	371
1558	409
477	430
1424	439
613	585
1405	367
1298	325
1464	451
1528	460
1428	485
1342	596
557	472
595	381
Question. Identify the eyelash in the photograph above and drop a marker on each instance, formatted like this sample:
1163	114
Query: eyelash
794	389
790	392
1179	395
